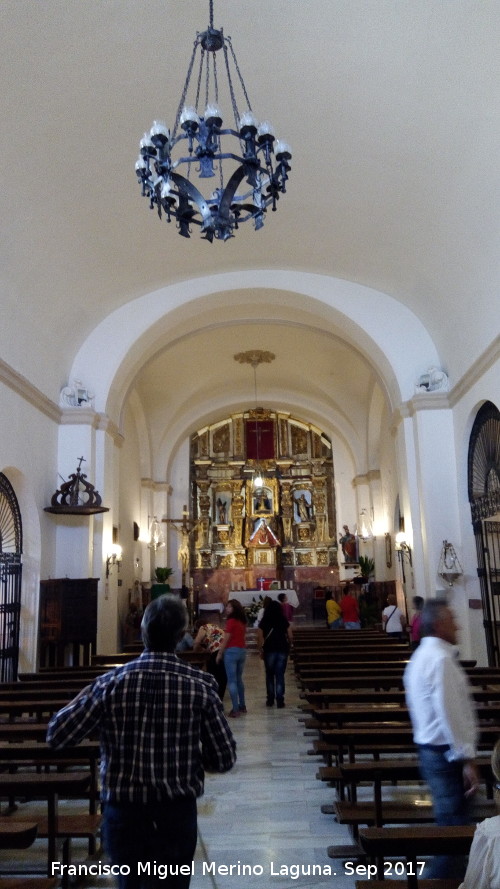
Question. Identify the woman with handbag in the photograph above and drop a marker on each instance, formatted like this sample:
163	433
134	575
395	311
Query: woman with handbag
274	637
393	619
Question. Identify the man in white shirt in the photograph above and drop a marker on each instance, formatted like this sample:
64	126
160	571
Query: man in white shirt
444	723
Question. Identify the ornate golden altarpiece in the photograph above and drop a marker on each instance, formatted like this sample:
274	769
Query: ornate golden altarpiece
288	522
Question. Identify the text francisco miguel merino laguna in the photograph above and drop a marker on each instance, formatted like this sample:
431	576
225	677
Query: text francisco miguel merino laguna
162	871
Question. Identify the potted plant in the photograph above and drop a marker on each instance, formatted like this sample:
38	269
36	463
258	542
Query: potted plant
160	585
366	567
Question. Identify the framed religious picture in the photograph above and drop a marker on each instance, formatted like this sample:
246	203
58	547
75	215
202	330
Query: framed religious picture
388	550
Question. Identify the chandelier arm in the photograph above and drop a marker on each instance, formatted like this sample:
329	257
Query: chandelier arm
185	186
228	196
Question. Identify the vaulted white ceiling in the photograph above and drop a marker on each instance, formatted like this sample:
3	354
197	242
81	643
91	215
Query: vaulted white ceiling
391	109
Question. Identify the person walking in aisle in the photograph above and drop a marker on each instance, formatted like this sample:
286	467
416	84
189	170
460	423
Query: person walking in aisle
414	628
286	607
393	619
444	724
274	638
233	650
161	724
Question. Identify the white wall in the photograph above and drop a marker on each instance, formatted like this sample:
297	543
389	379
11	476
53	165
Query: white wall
28	457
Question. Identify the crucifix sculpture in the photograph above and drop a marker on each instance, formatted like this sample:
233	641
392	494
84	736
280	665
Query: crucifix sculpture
184	527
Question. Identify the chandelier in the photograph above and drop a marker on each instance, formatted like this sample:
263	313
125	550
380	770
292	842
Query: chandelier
250	164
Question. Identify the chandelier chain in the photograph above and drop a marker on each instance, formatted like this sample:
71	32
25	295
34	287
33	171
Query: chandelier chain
237	69
185	89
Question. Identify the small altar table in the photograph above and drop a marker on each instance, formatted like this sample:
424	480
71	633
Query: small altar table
246	597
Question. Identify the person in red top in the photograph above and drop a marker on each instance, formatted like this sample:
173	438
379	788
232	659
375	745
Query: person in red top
233	650
350	610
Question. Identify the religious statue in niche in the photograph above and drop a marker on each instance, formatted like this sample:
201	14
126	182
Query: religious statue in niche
349	545
262	501
221	511
303	506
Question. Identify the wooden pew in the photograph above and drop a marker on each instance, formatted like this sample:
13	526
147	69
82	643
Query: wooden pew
17	836
344	714
46	786
412	844
341	696
347	742
378	812
28	762
194	658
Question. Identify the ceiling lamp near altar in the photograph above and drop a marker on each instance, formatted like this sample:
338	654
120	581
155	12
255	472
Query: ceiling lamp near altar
254	357
249	165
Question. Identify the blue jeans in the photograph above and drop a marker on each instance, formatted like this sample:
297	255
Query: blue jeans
275	663
336	624
234	660
445	780
164	833
352	625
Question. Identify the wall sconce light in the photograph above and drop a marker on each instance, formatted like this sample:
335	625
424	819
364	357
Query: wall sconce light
114	558
449	568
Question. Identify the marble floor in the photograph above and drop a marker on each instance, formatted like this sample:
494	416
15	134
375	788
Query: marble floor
265	815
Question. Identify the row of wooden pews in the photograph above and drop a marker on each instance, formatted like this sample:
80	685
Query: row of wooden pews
34	778
354	704
34	775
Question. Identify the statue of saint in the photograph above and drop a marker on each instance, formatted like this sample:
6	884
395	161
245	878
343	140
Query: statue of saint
221	511
303	508
348	544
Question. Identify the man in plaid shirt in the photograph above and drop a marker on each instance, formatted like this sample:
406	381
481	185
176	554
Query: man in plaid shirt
161	724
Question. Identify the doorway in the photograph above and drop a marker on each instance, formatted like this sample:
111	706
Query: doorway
11	542
484	498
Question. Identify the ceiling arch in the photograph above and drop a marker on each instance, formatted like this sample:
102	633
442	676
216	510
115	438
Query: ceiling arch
374	323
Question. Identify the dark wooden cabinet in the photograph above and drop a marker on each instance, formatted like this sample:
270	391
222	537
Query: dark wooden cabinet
68	621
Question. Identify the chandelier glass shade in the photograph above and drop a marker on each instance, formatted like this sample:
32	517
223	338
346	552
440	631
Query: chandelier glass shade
156	539
250	166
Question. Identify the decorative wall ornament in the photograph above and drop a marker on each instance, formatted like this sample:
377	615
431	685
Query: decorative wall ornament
76	496
435	380
76	395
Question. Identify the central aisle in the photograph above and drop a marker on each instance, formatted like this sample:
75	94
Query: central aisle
266	812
